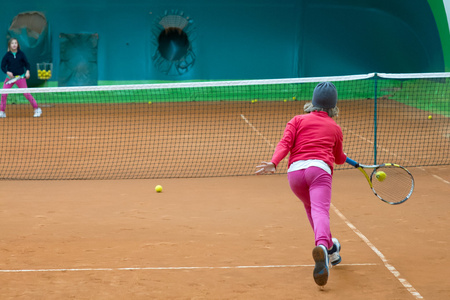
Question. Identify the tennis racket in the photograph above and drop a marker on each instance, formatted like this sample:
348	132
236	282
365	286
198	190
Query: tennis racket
12	80
391	183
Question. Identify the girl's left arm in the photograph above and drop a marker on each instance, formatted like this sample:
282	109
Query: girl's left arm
26	64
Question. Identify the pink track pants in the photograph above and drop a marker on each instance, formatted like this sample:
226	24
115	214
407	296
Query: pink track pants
21	83
313	187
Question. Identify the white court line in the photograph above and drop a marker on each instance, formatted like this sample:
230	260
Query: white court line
388	266
257	131
435	176
441	179
371	142
358	135
172	268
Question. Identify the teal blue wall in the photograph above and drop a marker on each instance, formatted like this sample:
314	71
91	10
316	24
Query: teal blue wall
369	36
252	39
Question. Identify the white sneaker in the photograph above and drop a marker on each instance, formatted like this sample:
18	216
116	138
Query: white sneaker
2	114
334	256
37	112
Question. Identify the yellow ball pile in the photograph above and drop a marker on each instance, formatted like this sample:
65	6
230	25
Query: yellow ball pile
44	74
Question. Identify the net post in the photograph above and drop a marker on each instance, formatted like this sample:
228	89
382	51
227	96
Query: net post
375	119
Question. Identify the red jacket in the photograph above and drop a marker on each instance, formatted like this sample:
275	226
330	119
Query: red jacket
311	136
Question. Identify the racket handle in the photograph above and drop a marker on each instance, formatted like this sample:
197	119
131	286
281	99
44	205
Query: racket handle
351	162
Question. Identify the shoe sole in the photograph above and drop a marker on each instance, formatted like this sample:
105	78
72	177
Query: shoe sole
321	269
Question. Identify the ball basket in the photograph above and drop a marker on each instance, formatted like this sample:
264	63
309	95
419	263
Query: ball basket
44	71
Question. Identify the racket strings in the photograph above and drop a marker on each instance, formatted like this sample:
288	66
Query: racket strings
397	185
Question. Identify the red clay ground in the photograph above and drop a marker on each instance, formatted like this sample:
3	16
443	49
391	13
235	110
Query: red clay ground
183	140
211	238
217	238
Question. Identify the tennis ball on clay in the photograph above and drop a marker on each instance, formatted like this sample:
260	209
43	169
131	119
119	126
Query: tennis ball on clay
158	188
380	175
285	100
149	102
430	117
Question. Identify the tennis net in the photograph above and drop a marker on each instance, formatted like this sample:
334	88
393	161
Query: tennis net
213	129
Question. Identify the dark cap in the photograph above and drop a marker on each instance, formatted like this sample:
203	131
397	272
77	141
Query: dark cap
325	95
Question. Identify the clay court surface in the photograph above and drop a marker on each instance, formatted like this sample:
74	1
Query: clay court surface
244	237
183	140
218	238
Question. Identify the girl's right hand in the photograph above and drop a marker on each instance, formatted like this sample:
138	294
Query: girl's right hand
10	75
266	168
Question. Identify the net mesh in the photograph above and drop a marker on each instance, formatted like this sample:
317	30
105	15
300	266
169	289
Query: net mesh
212	129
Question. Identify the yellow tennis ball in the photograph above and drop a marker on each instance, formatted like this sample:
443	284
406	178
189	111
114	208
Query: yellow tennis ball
149	102
158	188
253	101
380	175
430	117
285	100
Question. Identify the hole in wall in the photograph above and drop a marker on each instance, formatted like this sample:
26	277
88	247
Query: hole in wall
173	43
173	36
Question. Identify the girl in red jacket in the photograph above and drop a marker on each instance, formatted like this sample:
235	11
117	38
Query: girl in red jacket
314	141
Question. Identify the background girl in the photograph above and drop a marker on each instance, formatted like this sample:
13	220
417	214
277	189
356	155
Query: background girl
15	63
314	141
